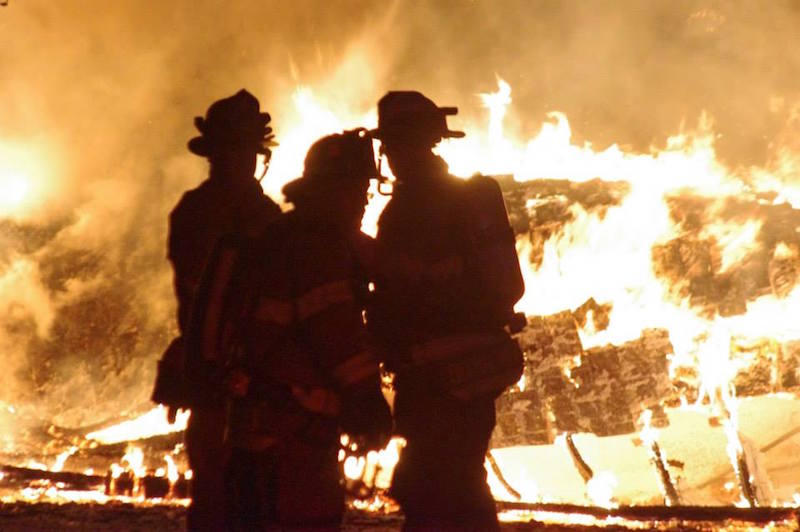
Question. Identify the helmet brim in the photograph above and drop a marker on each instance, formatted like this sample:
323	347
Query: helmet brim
304	187
202	146
383	135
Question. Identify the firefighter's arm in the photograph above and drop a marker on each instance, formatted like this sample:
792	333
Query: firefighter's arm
381	261
365	415
330	319
170	386
322	400
275	359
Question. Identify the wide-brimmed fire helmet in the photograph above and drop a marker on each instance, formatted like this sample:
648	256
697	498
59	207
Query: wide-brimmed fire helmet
338	160
236	121
411	117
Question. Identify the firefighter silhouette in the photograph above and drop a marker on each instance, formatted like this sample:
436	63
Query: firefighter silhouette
444	336
232	133
289	323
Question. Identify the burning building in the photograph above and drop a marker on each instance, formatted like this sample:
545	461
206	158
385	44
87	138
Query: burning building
649	162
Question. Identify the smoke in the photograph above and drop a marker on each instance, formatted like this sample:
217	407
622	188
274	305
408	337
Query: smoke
97	101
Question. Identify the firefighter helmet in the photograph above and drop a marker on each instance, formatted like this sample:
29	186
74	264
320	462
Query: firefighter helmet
409	116
333	161
233	121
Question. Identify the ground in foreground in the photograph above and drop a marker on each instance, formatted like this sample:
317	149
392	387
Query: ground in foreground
127	517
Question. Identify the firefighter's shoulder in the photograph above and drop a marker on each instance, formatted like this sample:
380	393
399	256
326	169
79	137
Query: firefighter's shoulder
276	235
193	202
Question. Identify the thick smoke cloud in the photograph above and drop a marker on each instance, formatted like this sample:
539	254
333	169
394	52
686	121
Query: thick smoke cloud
102	95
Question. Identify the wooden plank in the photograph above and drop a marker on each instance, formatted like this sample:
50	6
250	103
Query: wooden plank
764	515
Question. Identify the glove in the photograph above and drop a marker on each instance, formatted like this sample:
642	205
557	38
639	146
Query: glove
170	387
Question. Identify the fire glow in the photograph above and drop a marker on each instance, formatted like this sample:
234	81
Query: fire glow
606	256
24	177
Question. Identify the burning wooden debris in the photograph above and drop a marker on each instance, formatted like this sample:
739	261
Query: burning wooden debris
540	208
726	256
665	517
122	458
21	477
604	389
601	390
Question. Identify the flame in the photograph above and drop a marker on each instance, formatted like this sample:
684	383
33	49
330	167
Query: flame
313	118
604	255
608	255
172	469
57	495
648	433
716	367
521	383
134	456
34	464
376	467
388	456
116	470
600	489
737	241
354	467
149	424
62	459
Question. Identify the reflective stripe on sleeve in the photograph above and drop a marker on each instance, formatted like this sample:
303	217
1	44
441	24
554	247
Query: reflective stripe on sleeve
318	299
356	368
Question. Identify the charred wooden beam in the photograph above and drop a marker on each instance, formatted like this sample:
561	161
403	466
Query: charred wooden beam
762	515
692	262
498	473
155	487
100	456
568	389
743	476
671	497
583	468
152	445
603	390
22	476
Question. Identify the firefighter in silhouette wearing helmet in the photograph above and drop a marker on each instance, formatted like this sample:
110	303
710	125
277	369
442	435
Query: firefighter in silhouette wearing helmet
445	336
232	134
284	314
